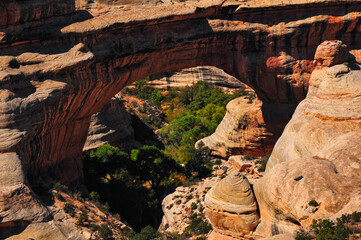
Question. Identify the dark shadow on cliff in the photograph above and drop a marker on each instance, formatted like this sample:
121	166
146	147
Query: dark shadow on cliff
13	228
144	134
275	119
36	37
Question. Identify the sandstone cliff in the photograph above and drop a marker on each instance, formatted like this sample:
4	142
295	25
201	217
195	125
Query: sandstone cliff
318	156
189	76
56	71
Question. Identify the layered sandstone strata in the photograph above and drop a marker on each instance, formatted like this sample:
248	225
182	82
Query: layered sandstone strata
318	156
189	76
20	11
112	124
55	74
231	206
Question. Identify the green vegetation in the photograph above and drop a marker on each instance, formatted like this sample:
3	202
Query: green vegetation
59	187
263	161
146	233
104	232
192	112
134	183
342	229
194	206
144	176
198	225
262	168
313	203
69	209
83	219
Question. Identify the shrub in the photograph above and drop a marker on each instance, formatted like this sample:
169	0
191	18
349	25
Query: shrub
104	232
356	216
94	196
198	225
146	233
105	208
313	203
194	206
189	197
69	209
59	187
326	229
303	236
178	202
218	162
83	219
262	168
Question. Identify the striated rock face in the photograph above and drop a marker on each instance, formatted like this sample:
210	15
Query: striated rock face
318	157
231	206
112	124
56	72
19	11
189	76
243	130
17	205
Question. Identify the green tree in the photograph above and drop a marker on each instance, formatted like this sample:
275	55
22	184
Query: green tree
106	162
153	166
147	233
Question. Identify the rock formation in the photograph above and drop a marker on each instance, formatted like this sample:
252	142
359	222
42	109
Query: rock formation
19	12
189	76
59	68
243	130
318	156
113	125
231	206
177	207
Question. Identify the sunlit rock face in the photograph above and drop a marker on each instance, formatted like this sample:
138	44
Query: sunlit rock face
318	156
189	76
231	206
56	71
249	127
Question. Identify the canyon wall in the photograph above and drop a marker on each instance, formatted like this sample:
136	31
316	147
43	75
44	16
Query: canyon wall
57	71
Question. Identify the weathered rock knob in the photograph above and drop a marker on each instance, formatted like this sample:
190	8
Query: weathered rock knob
331	53
231	206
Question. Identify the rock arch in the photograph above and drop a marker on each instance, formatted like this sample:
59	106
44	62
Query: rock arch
56	71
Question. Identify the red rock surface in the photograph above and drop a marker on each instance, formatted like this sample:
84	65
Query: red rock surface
56	72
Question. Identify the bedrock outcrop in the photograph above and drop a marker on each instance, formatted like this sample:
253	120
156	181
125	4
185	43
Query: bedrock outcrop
231	206
57	71
189	76
318	156
249	127
112	124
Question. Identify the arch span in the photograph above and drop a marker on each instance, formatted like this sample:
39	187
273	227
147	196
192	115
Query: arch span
54	77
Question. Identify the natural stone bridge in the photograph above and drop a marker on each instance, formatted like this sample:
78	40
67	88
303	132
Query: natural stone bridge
59	66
